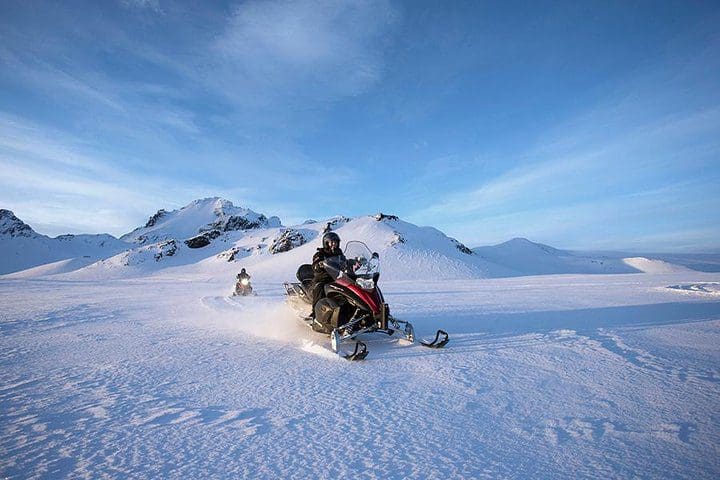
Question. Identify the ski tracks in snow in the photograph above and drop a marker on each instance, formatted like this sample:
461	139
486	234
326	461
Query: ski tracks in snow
536	365
664	367
697	288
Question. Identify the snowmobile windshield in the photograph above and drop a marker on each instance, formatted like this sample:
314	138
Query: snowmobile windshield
363	263
358	263
335	266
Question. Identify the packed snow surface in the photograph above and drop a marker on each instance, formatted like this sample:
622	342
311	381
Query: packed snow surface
129	359
166	376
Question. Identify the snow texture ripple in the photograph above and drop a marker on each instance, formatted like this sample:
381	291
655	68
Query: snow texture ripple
571	376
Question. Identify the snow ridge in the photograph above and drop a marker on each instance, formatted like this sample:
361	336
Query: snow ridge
213	236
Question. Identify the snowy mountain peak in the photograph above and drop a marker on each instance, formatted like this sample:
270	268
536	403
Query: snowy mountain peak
218	205
211	216
222	204
519	241
520	244
12	226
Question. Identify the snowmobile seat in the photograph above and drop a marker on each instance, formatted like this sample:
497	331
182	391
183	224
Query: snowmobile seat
305	274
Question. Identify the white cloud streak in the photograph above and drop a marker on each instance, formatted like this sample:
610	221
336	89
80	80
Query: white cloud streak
267	68
153	5
588	184
279	49
592	164
56	181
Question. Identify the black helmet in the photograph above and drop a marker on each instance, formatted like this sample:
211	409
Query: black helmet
242	270
330	237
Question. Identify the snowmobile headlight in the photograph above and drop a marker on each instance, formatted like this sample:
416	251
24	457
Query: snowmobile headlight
245	282
366	283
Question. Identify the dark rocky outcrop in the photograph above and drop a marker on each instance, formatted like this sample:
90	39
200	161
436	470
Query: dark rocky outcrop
13	226
203	240
198	242
288	240
236	222
381	216
166	249
229	255
154	219
462	247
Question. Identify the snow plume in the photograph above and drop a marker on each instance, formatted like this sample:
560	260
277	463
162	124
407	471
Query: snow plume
262	318
256	316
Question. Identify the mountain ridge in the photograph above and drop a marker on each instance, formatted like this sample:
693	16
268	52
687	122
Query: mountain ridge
211	234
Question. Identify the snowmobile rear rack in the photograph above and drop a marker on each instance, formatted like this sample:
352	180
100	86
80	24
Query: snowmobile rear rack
360	352
437	343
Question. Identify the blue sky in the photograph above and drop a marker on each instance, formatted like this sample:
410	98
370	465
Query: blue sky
589	125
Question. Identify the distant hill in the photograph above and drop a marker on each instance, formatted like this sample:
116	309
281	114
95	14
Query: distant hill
521	257
23	248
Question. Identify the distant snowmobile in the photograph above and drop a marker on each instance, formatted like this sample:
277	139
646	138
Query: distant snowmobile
243	287
353	303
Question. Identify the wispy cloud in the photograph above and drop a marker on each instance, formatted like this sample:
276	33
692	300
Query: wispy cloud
610	173
58	182
236	99
316	49
597	164
626	220
153	5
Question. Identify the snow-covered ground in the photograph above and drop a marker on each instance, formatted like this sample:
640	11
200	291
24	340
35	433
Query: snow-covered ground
126	358
558	376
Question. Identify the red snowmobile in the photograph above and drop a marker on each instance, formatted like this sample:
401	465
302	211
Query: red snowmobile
353	303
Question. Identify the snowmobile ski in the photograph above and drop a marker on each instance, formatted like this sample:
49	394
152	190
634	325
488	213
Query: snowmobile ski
437	343
360	352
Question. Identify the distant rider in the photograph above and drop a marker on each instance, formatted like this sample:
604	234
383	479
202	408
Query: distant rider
330	248
243	275
242	287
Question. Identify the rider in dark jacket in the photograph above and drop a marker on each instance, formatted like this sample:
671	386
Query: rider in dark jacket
330	248
241	289
243	274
